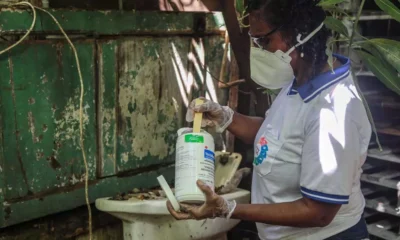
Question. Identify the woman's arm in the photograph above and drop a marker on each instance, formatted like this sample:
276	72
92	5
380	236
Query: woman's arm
302	213
245	127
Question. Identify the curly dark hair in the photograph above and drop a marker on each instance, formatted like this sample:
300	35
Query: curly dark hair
296	17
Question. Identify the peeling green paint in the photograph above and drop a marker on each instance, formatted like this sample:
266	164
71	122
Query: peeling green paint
107	55
215	22
67	125
148	116
27	210
43	133
136	89
107	22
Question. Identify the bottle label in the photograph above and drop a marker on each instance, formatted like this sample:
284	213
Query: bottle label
194	139
209	155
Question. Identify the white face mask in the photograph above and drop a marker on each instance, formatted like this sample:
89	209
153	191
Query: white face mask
273	70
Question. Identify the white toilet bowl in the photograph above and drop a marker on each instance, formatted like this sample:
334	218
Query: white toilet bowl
150	220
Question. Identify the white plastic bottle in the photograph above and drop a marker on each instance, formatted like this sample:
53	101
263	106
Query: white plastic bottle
195	160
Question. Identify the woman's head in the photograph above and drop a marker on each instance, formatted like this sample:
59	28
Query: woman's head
282	21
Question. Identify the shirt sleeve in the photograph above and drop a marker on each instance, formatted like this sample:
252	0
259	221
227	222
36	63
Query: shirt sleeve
331	158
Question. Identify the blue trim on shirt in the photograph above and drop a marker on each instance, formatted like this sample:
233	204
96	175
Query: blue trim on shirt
312	88
292	91
324	197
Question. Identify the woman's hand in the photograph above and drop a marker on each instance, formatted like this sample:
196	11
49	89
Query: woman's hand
214	115
302	213
224	118
214	206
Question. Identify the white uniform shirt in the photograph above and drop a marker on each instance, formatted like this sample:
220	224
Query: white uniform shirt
313	144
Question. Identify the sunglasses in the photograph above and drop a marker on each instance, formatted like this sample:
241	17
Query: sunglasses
258	41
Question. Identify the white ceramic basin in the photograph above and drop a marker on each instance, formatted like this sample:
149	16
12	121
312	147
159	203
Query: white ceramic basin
150	220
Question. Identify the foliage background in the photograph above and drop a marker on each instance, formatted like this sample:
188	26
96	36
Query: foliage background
381	56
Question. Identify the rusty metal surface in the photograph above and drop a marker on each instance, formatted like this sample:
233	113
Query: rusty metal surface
149	112
149	100
176	5
138	108
107	111
137	90
109	22
66	199
39	96
142	5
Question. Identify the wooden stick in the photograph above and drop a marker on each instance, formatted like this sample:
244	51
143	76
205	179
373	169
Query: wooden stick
224	59
198	117
231	83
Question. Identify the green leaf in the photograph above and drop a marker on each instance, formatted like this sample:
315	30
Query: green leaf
365	103
329	53
326	3
272	92
336	9
387	75
373	50
336	25
369	47
240	6
389	49
389	8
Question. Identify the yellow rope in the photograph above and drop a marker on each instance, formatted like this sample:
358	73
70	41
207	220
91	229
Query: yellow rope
80	101
29	30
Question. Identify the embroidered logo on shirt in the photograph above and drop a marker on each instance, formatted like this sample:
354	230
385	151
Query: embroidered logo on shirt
261	151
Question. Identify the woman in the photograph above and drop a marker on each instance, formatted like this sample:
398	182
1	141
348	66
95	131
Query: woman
310	147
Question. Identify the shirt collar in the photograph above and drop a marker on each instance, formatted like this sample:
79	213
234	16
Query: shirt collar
312	88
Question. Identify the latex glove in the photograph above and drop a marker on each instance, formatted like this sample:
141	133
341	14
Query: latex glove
235	181
214	206
214	115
